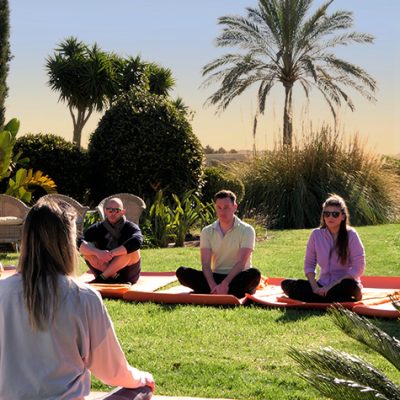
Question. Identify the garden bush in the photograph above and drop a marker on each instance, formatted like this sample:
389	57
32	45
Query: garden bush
219	178
144	144
58	158
289	184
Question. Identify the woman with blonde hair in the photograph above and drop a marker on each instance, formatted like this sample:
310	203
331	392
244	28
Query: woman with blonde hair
55	331
336	247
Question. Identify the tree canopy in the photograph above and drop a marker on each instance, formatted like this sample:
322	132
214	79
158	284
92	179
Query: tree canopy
281	41
90	79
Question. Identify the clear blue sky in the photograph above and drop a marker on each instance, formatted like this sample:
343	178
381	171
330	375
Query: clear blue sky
179	34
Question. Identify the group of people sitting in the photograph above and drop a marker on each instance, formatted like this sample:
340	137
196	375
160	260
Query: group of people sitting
55	330
111	249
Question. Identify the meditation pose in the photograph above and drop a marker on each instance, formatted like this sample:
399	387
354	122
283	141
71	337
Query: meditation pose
337	249
55	331
111	247
226	247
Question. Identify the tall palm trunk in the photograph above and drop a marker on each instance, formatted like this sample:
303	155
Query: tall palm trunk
288	116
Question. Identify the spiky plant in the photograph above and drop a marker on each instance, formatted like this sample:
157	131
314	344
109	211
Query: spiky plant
339	375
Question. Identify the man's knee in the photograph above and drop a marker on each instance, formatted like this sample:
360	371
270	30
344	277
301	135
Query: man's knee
180	272
124	260
94	262
254	273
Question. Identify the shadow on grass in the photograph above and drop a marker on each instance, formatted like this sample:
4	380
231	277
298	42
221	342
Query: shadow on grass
292	315
289	314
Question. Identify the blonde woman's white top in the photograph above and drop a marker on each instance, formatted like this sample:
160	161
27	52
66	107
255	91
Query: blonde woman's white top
56	363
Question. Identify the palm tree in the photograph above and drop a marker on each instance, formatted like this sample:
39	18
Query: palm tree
281	43
132	73
339	375
85	78
161	80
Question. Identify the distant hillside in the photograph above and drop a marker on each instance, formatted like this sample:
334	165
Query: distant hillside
218	158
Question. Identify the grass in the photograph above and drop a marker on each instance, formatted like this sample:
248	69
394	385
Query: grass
241	352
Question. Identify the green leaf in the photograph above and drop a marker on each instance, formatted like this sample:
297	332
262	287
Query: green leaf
12	126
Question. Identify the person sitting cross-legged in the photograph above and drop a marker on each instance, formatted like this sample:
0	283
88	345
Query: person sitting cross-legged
111	247
337	250
226	247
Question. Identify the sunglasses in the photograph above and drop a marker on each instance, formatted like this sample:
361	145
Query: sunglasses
113	210
335	214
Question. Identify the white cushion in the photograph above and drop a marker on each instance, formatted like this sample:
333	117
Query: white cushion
10	221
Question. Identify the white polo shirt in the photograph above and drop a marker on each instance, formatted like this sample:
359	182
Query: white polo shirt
225	248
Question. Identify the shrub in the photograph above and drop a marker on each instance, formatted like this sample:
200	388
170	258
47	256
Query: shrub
15	179
170	218
60	159
218	178
144	144
189	212
289	185
159	225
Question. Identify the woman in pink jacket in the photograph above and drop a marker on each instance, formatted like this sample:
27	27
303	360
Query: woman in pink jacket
337	249
55	331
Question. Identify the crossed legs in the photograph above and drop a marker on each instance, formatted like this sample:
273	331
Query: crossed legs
126	266
244	282
300	289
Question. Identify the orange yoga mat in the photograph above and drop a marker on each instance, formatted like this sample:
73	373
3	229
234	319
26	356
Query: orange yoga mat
375	302
183	295
101	395
148	282
384	310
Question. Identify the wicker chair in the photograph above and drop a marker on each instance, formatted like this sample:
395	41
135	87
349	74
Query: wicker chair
133	205
80	209
12	215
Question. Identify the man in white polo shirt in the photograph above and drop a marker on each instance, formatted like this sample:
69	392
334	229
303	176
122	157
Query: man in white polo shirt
226	247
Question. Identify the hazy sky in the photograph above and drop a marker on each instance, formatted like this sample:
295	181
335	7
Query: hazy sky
179	34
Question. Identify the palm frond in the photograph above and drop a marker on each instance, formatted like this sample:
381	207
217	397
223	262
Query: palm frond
350	69
362	330
222	61
340	368
339	389
348	38
263	91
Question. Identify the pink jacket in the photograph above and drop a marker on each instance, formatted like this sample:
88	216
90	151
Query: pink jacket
321	250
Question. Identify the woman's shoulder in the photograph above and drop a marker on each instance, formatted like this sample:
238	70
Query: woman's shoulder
11	284
319	232
82	290
353	234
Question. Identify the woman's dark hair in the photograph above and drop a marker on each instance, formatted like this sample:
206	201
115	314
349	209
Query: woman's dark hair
342	240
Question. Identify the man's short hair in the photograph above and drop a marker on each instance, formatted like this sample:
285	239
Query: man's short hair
116	199
225	194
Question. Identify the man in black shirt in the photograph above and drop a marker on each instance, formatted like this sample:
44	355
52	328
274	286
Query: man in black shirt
111	247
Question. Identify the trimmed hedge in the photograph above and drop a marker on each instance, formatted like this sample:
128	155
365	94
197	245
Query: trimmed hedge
58	158
216	179
144	144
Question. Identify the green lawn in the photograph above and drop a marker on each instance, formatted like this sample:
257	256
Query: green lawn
241	352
